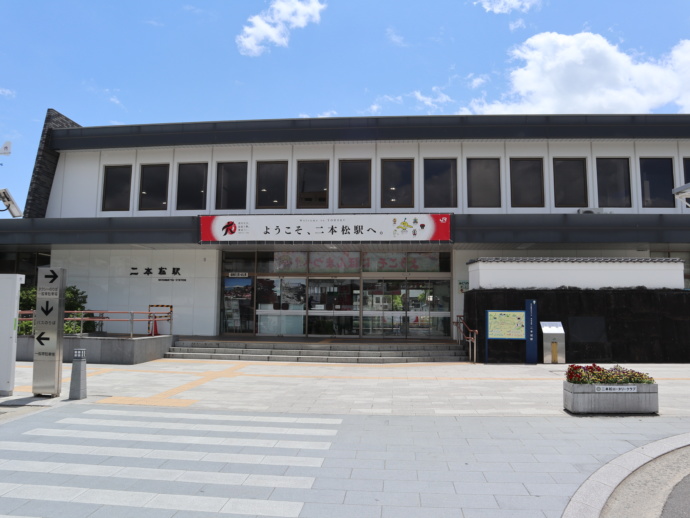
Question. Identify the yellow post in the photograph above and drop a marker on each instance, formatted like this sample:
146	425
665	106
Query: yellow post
554	351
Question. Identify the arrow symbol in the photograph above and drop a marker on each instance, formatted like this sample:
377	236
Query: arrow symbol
52	276
47	310
40	338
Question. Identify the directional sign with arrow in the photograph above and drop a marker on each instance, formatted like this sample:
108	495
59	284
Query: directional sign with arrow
47	309
49	324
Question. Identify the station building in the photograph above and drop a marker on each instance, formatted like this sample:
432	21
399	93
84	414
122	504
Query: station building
357	227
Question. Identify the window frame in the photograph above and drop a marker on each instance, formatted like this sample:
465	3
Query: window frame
142	168
342	205
218	193
453	189
388	205
468	188
585	178
285	173
105	187
628	160
298	191
204	198
514	184
666	189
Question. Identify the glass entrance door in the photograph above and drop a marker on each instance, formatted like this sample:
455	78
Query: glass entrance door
280	306
333	307
398	308
238	309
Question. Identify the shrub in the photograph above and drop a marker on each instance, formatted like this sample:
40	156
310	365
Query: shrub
75	300
616	375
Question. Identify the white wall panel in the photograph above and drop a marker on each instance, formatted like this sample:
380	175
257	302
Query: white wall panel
80	185
589	275
107	278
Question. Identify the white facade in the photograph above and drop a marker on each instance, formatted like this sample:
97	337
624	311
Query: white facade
117	280
516	186
78	185
592	274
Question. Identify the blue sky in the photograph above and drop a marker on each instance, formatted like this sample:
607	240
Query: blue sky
154	61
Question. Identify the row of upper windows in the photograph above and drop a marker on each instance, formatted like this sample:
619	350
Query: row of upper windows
440	178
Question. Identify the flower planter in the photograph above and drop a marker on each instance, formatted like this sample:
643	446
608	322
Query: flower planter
627	398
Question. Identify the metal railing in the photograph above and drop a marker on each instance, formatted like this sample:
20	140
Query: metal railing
469	335
100	317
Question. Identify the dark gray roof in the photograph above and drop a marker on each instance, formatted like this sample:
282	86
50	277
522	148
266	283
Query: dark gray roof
375	128
575	260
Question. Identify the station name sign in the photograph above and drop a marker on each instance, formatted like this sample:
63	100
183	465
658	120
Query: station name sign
332	227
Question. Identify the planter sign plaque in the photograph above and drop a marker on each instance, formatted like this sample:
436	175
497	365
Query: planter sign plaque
615	388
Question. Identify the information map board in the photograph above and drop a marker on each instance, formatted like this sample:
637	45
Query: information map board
505	325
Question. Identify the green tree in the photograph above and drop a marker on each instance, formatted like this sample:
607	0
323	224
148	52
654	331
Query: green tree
75	300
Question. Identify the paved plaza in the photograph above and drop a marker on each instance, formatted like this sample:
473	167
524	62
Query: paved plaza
192	438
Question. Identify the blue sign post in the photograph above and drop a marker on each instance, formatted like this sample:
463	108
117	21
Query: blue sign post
531	331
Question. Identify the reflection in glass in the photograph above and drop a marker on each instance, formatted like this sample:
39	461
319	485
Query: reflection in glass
440	183
423	262
384	262
656	177
283	262
613	182
238	309
396	183
153	191
570	182
116	187
231	186
483	182
312	184
271	185
191	186
334	262
355	184
526	182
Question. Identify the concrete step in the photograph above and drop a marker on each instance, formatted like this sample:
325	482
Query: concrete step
323	351
393	346
318	359
298	352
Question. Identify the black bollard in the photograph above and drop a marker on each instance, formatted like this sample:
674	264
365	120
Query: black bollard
77	387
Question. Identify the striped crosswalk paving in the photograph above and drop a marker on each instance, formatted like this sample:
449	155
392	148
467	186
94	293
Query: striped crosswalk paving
93	459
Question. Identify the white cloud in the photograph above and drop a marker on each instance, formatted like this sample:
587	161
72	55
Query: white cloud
273	25
517	24
193	9
476	81
113	99
506	6
153	23
5	92
397	99
395	38
584	73
329	113
374	109
435	101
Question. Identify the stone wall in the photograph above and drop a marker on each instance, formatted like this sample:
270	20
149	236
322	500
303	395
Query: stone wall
106	350
603	326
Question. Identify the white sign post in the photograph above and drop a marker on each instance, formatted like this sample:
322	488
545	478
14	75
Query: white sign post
48	330
9	310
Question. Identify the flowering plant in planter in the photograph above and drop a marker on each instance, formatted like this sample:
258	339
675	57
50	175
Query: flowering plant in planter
594	374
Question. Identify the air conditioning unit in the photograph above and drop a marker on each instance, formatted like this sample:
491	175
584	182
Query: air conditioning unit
590	211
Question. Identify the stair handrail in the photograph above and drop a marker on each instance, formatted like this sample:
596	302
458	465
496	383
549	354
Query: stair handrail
468	334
